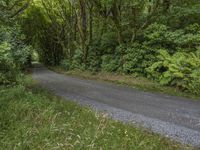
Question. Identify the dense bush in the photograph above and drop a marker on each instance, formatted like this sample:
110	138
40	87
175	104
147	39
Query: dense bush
65	64
179	60
181	70
161	36
73	64
8	69
14	54
110	63
137	58
94	57
109	42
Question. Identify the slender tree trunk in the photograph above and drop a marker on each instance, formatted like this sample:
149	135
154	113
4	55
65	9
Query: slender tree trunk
134	25
83	29
120	36
116	20
75	28
91	23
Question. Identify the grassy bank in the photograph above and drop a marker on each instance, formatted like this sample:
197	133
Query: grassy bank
32	118
129	80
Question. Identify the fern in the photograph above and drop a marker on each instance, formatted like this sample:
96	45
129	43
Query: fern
180	70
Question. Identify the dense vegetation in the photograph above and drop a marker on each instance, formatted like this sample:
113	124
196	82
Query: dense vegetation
157	39
15	52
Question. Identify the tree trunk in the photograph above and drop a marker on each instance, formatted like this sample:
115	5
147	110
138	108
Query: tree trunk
91	23
83	29
116	20
134	12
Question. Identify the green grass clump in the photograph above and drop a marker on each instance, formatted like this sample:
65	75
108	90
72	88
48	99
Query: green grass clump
32	118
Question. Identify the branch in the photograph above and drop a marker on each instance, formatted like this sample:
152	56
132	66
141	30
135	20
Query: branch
23	8
15	3
152	13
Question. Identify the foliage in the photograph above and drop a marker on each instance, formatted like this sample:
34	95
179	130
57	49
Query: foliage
180	70
7	66
160	36
41	34
65	64
137	58
155	34
110	63
108	42
10	10
14	54
73	64
94	57
194	83
183	13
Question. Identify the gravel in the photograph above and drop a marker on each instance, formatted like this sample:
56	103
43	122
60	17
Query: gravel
173	117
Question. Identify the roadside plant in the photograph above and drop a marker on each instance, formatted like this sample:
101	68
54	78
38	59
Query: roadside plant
180	70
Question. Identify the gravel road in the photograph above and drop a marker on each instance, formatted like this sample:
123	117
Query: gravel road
177	118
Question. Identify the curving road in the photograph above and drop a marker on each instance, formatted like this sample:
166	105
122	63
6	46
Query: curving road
174	117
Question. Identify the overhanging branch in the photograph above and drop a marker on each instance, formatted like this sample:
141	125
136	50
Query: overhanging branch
23	8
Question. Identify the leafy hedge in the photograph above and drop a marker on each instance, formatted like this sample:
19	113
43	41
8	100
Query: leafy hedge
180	69
138	57
14	54
178	62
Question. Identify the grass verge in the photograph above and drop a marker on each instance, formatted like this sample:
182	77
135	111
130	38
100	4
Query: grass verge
131	81
32	118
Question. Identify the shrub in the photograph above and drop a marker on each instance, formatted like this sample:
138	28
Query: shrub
74	63
194	84
9	71
65	64
155	33
108	42
110	63
138	57
94	57
180	70
160	36
193	29
14	54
